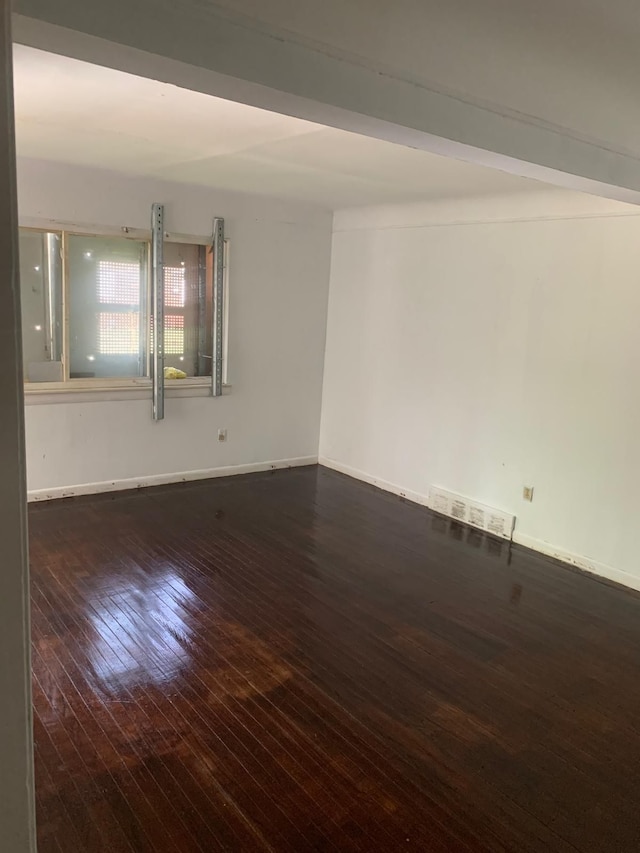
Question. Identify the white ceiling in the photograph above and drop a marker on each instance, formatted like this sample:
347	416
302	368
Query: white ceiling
74	112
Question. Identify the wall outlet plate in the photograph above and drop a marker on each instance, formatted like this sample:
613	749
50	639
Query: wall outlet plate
527	493
222	435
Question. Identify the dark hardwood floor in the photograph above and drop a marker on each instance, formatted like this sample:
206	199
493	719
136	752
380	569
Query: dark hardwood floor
295	661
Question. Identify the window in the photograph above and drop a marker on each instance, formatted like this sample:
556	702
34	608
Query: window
107	286
104	284
188	320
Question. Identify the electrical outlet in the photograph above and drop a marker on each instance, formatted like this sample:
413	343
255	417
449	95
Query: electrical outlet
222	435
527	493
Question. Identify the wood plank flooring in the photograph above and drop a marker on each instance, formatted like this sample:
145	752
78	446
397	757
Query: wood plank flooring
298	662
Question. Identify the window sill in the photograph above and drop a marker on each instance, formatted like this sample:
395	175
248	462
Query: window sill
96	390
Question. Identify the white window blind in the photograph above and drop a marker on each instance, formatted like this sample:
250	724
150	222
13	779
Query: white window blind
118	283
118	334
174	287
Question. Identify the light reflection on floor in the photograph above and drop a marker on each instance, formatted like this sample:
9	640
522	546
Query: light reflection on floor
142	631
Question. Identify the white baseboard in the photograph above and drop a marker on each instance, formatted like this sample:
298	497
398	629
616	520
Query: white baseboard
593	567
414	497
164	479
584	563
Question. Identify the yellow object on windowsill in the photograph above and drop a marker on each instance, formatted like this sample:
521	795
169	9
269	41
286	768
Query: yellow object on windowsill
174	373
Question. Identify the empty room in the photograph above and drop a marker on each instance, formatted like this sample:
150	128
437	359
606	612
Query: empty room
319	425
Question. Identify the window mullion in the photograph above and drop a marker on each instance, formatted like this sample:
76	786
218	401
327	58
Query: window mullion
66	335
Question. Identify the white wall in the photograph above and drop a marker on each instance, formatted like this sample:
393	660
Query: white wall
484	345
279	274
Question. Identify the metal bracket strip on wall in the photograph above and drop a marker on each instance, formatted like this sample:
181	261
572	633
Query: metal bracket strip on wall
157	299
218	305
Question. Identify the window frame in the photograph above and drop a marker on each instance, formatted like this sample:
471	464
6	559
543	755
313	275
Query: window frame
119	388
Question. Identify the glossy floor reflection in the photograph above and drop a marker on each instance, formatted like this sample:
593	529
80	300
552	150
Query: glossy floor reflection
295	661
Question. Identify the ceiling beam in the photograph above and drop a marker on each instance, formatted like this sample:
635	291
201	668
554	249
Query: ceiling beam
197	46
